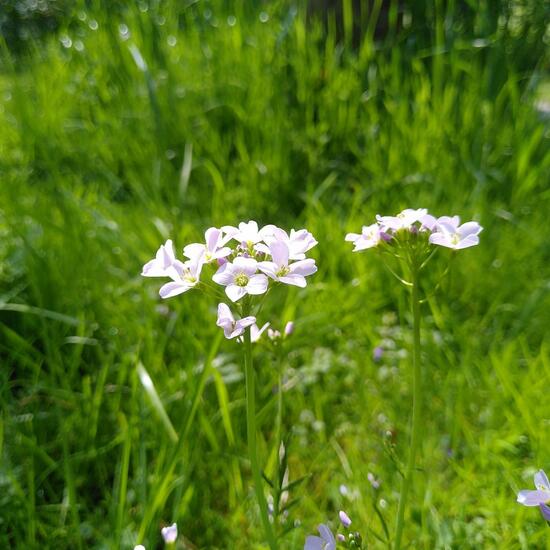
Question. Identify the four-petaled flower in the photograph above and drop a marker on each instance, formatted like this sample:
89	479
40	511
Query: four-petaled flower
164	264
248	234
240	278
231	327
325	542
369	237
213	249
404	220
539	497
298	242
451	235
184	275
280	269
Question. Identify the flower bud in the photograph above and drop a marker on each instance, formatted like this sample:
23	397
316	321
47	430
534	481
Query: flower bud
344	518
289	328
169	534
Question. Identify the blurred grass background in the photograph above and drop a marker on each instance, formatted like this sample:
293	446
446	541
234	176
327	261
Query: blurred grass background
123	124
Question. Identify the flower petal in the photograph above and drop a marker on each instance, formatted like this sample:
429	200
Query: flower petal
248	266
172	289
257	284
235	292
545	511
303	267
352	237
279	253
541	481
314	543
533	498
269	268
294	279
225	275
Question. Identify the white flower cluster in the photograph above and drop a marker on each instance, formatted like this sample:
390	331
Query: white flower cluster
246	259
443	231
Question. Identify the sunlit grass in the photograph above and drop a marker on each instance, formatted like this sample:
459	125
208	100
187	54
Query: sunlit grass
191	118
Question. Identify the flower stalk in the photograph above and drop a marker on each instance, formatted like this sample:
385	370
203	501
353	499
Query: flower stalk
252	444
417	404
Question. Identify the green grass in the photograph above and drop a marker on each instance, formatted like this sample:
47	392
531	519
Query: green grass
190	122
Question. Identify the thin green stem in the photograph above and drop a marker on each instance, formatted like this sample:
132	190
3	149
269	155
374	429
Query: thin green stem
251	435
416	408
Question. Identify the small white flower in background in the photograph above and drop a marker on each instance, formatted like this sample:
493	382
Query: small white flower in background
213	249
273	334
169	534
241	278
369	237
232	328
139	547
454	236
281	270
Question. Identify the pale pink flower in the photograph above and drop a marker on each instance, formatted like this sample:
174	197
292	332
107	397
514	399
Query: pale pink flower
231	327
540	497
368	238
213	248
298	242
247	233
451	235
185	280
325	542
404	220
240	278
164	264
280	269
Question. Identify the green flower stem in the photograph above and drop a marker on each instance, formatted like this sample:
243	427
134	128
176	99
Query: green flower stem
251	435
416	408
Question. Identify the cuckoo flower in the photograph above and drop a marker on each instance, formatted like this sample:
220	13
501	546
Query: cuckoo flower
403	220
298	242
232	328
164	264
325	542
369	237
240	278
248	234
280	270
449	234
539	497
213	249
183	281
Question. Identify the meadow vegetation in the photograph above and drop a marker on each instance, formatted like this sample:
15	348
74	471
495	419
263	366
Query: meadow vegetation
126	125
